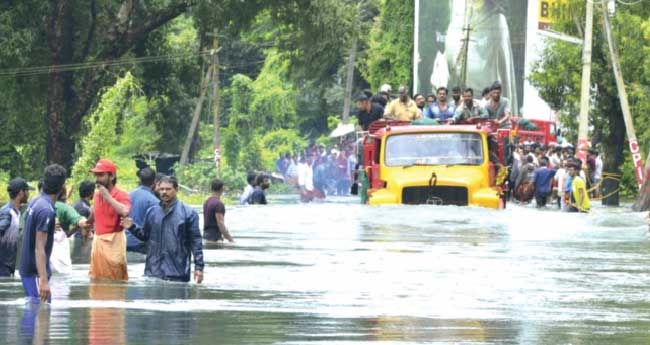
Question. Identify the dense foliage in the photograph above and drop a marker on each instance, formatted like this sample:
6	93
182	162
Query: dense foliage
47	108
390	55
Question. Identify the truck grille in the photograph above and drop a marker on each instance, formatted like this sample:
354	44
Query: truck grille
439	195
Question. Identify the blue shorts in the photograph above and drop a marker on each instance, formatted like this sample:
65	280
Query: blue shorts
30	285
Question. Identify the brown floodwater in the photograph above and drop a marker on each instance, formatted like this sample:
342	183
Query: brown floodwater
343	273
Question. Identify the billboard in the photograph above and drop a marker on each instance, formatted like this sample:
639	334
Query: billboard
471	43
550	11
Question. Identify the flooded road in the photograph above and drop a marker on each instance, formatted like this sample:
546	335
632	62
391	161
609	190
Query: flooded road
342	273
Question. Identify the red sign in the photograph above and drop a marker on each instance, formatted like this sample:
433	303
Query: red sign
638	161
581	150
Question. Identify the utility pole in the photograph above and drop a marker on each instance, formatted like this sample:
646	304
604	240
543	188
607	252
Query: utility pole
195	119
622	95
465	48
348	82
216	98
583	127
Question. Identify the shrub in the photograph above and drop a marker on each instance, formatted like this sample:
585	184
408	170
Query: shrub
199	175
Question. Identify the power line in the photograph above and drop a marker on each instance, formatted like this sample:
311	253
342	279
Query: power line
39	70
629	3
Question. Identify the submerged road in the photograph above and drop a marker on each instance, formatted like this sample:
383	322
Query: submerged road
349	274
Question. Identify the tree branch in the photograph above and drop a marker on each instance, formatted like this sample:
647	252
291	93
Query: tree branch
157	20
91	31
117	43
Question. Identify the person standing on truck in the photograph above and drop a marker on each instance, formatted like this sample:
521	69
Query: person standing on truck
470	109
368	113
420	101
456	95
402	108
499	107
440	110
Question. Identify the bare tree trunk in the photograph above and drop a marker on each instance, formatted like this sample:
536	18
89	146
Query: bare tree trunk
58	29
348	82
216	99
185	154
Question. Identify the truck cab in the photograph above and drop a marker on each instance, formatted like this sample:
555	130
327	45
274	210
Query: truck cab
462	165
435	165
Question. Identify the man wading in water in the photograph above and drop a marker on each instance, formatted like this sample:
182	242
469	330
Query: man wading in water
38	237
171	231
214	212
111	204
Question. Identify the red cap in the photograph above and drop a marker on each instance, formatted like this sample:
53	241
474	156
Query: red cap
104	165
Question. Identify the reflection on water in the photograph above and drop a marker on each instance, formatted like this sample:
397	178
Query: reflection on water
344	273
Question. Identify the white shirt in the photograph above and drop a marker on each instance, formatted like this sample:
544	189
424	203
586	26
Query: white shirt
248	190
560	177
598	173
292	170
305	176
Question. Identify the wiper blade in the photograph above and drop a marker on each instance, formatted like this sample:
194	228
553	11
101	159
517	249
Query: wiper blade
415	164
460	164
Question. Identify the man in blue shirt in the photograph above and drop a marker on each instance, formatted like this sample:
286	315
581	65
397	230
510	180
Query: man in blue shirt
542	178
38	236
171	230
440	110
142	198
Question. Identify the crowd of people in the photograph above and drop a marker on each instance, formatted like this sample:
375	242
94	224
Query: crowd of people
462	107
319	171
553	174
109	222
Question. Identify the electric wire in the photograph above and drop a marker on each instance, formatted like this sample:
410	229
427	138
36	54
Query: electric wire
40	70
30	71
629	3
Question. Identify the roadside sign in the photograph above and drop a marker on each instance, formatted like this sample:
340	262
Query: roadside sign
638	161
551	11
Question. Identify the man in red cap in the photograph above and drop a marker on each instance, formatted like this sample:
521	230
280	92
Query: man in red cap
111	204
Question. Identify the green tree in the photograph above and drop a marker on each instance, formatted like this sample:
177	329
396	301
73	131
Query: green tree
102	138
390	51
83	34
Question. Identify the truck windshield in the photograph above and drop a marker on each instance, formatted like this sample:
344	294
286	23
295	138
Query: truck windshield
434	149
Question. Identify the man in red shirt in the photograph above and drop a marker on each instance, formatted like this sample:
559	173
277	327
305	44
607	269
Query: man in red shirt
110	205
